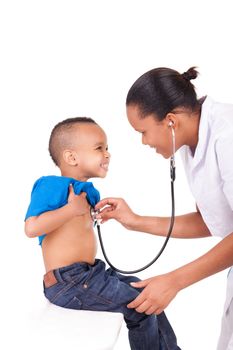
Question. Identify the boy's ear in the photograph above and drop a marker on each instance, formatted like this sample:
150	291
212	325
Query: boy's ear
70	157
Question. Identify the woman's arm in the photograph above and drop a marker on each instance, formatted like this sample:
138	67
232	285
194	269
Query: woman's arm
160	290
51	220
186	226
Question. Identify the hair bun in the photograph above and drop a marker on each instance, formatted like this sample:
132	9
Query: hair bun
190	74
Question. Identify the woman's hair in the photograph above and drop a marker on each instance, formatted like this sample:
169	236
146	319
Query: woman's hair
61	136
161	90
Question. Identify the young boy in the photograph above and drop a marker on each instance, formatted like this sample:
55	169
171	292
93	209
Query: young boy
59	214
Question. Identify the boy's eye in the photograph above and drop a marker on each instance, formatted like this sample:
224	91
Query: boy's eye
101	148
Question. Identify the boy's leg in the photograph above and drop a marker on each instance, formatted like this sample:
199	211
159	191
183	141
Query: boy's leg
92	288
166	335
110	291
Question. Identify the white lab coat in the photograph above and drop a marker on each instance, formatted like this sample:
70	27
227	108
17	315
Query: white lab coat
210	177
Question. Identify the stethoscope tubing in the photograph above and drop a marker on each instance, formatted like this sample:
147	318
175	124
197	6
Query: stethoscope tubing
172	221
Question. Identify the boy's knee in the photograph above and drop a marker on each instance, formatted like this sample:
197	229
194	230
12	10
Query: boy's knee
141	320
131	315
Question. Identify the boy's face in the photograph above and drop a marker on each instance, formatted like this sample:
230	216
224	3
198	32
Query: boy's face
90	146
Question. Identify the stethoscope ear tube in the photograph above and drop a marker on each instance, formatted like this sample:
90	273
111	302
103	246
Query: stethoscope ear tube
172	220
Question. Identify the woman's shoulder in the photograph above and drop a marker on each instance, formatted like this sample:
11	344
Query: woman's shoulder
218	114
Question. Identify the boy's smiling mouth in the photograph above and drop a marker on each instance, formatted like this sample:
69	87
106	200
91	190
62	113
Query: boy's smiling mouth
104	166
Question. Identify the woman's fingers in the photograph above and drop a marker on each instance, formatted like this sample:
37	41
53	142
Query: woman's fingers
106	203
157	294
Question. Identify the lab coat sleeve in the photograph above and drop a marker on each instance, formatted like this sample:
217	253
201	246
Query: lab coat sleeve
224	152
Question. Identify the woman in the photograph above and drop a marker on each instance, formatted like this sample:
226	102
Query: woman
160	101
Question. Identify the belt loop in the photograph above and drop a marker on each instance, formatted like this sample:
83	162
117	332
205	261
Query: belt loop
58	275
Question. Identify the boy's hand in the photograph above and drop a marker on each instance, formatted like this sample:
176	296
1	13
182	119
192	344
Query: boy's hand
78	202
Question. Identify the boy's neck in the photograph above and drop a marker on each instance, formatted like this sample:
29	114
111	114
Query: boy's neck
74	176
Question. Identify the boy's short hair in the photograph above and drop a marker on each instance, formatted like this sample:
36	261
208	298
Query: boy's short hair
60	136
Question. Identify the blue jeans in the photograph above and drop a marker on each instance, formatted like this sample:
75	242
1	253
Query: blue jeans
82	286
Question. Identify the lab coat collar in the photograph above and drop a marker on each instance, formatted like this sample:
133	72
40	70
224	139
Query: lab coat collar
203	133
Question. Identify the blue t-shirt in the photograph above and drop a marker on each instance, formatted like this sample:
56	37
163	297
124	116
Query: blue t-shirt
51	192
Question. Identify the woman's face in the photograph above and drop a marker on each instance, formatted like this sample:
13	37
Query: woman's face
156	134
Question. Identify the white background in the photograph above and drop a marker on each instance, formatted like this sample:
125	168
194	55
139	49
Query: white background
69	58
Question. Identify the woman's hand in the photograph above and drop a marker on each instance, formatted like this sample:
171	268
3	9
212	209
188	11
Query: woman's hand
158	292
115	208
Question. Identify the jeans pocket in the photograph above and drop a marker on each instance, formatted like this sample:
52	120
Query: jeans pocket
96	302
75	303
59	293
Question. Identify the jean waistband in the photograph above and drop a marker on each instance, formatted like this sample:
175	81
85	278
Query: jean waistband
60	274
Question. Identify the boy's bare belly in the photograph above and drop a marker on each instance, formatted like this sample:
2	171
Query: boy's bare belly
73	242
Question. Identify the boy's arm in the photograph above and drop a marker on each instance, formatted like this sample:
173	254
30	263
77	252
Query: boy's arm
51	220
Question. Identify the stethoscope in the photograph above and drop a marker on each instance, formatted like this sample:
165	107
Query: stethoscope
172	219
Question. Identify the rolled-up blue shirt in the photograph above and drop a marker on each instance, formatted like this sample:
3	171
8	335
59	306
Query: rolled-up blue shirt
51	192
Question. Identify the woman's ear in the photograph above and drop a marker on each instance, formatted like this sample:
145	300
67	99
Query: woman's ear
171	120
70	157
